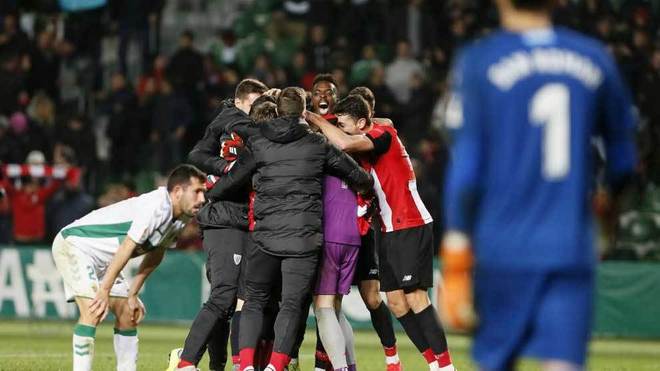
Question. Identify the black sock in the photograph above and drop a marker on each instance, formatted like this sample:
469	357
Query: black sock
217	345
433	331
411	326
319	362
382	322
235	321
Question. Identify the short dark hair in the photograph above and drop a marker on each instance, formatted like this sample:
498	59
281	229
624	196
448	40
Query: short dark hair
354	106
249	86
533	4
181	176
324	77
365	93
264	108
291	102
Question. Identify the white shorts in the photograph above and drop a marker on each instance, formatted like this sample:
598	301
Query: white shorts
80	274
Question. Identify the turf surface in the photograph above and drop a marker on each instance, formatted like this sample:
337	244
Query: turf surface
47	346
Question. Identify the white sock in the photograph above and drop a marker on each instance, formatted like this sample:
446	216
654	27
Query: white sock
83	347
347	330
332	337
448	368
392	360
434	366
126	349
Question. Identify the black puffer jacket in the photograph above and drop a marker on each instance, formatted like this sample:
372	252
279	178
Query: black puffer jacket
232	210
288	162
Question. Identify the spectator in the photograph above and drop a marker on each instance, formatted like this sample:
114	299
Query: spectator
416	114
412	21
387	105
339	75
83	29
399	73
41	127
299	72
341	56
10	147
317	49
44	72
12	37
361	69
13	95
137	22
122	129
19	129
263	71
70	202
172	117
186	68
76	141
223	48
155	76
28	204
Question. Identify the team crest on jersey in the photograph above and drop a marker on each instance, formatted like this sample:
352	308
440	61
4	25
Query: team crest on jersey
237	259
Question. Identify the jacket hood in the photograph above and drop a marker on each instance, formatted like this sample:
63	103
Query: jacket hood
284	129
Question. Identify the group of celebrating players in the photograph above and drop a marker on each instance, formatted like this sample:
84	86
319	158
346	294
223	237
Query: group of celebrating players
304	202
299	210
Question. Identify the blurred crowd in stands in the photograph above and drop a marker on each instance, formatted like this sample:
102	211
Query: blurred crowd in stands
122	89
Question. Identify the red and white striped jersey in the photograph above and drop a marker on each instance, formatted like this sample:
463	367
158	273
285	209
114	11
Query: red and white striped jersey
395	183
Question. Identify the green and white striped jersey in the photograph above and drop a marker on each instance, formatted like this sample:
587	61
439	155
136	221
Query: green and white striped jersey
146	219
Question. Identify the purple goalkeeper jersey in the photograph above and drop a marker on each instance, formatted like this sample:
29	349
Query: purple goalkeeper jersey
339	213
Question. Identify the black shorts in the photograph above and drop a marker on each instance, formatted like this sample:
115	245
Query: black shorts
406	259
367	264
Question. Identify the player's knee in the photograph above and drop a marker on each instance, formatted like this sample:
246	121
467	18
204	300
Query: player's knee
324	301
256	299
417	300
370	294
397	305
86	317
221	300
123	321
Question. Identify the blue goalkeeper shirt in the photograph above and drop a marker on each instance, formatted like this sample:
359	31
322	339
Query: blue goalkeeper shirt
524	110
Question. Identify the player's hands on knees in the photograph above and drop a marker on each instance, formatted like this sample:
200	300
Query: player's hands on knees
136	309
455	295
99	306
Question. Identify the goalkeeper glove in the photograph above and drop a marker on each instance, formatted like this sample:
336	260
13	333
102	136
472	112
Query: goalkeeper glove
363	214
456	300
229	148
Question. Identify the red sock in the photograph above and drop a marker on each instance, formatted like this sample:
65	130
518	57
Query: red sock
429	356
235	360
247	358
390	351
444	359
321	356
183	363
279	360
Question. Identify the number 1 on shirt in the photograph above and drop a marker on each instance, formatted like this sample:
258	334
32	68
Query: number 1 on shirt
550	108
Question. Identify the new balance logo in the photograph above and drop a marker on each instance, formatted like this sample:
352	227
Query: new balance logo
407	277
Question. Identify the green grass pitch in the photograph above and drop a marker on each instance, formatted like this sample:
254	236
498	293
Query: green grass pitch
47	346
